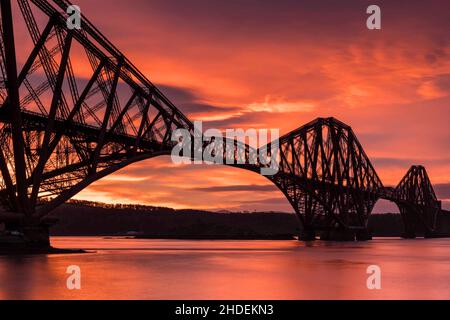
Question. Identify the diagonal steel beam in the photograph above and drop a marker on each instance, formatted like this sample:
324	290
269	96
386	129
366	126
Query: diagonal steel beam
45	152
58	135
67	194
13	93
32	57
8	181
37	48
77	106
123	112
141	127
150	127
108	110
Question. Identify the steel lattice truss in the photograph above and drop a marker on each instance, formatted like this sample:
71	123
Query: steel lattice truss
417	201
326	175
78	110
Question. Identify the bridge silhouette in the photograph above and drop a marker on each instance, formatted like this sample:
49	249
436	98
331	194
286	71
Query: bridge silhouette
60	132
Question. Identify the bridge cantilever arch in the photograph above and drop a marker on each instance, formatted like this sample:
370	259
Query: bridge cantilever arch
77	110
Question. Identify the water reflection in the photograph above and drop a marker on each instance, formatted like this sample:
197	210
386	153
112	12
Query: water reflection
178	269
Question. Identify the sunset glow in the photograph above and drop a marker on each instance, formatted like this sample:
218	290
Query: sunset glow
232	69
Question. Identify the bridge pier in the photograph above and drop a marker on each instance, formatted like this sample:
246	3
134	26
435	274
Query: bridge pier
363	235
409	234
343	234
37	235
25	233
430	234
307	235
338	234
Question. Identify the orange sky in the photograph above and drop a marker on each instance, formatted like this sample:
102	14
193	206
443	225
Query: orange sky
280	64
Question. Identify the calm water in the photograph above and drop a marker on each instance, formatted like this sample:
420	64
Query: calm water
178	269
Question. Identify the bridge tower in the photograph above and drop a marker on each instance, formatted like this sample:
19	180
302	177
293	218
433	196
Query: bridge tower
328	179
417	202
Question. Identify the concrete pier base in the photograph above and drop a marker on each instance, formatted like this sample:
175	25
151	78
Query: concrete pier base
337	235
363	235
37	235
409	235
429	234
307	235
25	235
341	234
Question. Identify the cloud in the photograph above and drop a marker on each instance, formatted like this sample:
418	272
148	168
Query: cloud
436	55
442	190
247	188
442	81
407	162
191	104
435	86
278	105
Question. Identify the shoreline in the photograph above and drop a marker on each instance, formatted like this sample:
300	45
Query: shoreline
5	251
217	237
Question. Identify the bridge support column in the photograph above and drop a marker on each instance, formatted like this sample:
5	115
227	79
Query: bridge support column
410	222
363	235
25	233
430	234
37	235
338	234
307	235
409	234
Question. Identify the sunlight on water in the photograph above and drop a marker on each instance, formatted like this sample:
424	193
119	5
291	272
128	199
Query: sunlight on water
180	269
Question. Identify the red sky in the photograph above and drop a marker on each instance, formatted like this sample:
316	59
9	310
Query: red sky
280	64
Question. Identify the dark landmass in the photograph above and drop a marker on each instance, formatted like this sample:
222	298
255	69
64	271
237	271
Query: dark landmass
24	249
386	225
82	218
248	236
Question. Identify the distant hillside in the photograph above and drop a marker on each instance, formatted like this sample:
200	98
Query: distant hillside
386	225
89	218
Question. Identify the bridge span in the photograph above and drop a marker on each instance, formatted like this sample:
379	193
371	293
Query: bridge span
60	132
